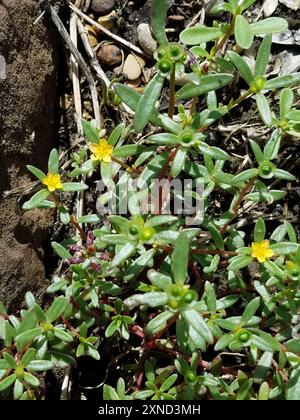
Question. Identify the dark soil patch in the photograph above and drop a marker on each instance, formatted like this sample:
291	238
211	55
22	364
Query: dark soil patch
27	132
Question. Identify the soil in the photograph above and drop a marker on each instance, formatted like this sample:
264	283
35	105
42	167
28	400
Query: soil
27	133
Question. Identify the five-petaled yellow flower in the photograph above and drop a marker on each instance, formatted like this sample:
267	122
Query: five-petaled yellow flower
53	182
101	151
262	251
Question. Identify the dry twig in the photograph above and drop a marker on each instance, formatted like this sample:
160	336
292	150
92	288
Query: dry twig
108	33
84	67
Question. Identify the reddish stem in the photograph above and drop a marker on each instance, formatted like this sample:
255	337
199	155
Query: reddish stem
78	227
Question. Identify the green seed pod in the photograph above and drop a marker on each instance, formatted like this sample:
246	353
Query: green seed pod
134	230
176	291
165	66
266	169
295	273
243	336
190	296
187	138
190	377
176	52
162	52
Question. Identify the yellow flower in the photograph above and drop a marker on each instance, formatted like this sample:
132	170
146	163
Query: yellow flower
262	251
101	151
53	182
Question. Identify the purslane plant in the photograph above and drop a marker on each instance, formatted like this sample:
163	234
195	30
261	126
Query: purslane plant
183	293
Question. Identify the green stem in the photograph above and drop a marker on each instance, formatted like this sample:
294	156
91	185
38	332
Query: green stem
172	94
237	205
239	99
124	165
78	227
225	37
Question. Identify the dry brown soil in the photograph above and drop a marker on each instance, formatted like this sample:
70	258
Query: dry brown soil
27	127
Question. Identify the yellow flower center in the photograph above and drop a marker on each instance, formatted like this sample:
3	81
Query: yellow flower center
48	327
53	182
262	251
101	151
19	372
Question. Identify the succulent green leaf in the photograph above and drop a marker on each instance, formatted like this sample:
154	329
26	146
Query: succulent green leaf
74	186
241	66
53	162
180	259
56	309
283	81
270	25
243	33
263	56
146	104
204	85
264	109
200	34
36	172
159	9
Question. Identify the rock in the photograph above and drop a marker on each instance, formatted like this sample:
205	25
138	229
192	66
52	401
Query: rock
110	54
176	18
133	67
181	79
92	35
102	7
289	62
291	4
118	70
108	21
146	39
269	7
134	83
289	37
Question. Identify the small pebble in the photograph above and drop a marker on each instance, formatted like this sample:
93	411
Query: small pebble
108	21
181	79
92	35
176	18
110	55
146	39
269	7
102	7
134	83
291	4
133	67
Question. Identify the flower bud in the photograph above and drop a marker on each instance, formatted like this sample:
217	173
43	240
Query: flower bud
147	233
258	84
